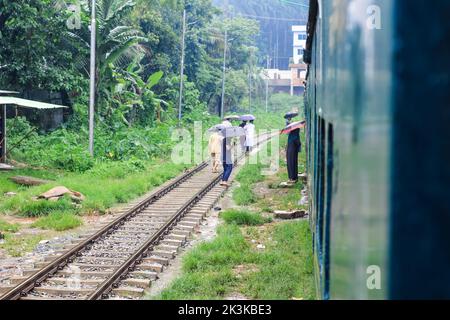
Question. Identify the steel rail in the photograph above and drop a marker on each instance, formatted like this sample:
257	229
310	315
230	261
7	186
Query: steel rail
128	266
59	263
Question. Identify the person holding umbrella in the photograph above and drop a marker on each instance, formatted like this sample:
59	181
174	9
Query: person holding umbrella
289	116
249	127
294	146
227	158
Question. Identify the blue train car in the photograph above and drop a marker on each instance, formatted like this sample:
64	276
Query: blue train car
378	111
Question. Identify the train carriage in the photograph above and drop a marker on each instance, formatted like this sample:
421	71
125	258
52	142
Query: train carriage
378	108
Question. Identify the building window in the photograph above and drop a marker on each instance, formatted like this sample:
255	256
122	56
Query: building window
299	73
302	36
299	52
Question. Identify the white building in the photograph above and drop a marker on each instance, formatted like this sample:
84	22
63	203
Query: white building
299	43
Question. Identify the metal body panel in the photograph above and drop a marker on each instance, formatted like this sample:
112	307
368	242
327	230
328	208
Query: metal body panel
349	101
420	218
379	149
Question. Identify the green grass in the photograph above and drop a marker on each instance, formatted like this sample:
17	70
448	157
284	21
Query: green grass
208	268
283	198
286	267
284	270
104	186
244	217
235	263
17	246
279	105
7	185
8	227
58	221
250	174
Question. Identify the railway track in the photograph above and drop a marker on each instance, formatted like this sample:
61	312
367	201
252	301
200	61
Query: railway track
124	257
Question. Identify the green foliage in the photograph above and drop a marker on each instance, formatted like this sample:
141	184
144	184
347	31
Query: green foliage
272	31
207	269
67	149
18	245
37	208
249	175
286	267
34	52
107	184
229	264
244	217
282	102
58	221
61	149
8	227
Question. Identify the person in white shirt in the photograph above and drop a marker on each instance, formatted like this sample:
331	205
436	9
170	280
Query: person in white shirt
215	149
249	136
226	123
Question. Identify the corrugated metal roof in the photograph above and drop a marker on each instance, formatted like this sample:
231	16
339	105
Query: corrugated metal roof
8	92
29	103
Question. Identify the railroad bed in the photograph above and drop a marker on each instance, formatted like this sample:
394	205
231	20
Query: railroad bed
122	259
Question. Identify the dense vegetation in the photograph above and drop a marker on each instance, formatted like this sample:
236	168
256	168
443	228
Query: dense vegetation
276	17
137	93
137	73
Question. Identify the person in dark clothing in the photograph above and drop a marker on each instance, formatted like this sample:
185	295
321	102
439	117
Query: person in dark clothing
293	149
227	161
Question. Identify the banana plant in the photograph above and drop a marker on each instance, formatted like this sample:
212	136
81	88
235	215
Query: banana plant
117	44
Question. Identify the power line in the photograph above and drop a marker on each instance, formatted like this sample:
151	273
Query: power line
269	18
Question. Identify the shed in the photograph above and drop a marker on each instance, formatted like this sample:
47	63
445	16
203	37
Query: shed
24	103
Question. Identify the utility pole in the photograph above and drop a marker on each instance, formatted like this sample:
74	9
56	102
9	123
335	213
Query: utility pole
250	79
267	84
92	79
182	68
225	49
250	91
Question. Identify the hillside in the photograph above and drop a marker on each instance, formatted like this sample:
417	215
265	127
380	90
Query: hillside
276	20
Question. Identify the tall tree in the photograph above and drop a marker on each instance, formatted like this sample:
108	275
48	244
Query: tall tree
33	51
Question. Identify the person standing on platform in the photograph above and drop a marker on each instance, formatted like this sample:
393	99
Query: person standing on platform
293	149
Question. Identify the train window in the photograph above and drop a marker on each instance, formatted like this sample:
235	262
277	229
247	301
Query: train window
328	206
321	141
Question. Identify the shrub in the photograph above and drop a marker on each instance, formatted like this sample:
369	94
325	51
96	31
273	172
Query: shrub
241	217
44	207
58	221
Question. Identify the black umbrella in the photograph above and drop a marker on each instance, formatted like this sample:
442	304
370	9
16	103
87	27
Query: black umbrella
291	115
248	117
